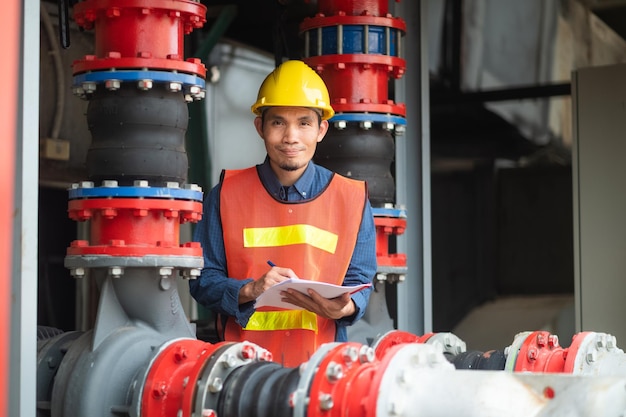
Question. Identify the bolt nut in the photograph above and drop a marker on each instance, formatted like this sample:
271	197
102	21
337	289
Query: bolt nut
216	385
165	271
367	354
112	85
334	372
553	341
248	351
229	360
144	85
174	87
191	273
405	377
89	87
78	91
591	357
350	354
326	401
193	187
341	124
611	342
77	272
116	271
109	183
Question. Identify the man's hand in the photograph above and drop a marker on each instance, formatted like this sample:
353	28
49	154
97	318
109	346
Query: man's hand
330	308
252	290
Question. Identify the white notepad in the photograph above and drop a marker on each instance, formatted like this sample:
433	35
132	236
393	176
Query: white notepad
271	297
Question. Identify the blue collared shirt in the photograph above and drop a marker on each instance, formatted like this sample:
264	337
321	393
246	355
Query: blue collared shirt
220	294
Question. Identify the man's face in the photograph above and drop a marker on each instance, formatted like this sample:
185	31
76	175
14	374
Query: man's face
291	135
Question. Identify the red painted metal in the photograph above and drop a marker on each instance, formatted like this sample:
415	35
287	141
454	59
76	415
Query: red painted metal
385	228
541	352
342	377
120	248
320	20
134	227
357	82
397	337
171	381
369	397
573	351
11	22
368	90
135	34
353	7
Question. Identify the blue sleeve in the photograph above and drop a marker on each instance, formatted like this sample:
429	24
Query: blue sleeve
362	267
213	289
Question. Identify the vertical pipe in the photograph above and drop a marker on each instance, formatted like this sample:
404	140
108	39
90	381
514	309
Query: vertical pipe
23	340
413	175
10	43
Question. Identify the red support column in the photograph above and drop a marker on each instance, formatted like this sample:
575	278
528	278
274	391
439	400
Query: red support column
11	20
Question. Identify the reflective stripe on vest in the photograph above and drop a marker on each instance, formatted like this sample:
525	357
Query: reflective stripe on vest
283	320
263	237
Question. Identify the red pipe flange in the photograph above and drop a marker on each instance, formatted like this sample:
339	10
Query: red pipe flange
344	373
120	248
369	92
396	376
573	360
134	227
592	353
136	34
170	383
540	352
397	337
172	374
386	227
354	7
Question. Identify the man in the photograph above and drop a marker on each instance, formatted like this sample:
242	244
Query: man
306	220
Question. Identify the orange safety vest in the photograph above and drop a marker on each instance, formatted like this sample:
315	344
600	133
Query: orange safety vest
315	238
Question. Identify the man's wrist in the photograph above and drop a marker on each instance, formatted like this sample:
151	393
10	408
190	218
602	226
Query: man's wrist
352	311
246	293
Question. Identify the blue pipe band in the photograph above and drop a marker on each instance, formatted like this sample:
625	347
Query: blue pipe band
368	117
130	75
353	40
389	212
135	192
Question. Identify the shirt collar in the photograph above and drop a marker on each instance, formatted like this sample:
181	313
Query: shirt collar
303	185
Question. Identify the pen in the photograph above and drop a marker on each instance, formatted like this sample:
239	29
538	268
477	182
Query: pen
270	263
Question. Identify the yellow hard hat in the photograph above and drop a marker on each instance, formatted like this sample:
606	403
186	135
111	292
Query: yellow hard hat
294	84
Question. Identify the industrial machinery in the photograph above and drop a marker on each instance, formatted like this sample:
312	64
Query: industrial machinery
142	358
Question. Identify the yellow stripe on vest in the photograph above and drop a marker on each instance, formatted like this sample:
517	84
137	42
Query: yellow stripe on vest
263	237
282	320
